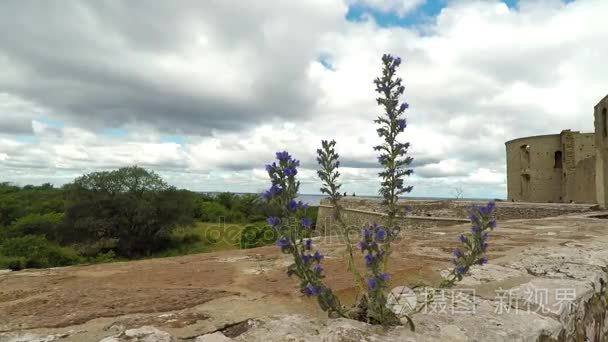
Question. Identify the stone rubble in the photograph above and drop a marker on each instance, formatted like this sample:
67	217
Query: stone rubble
143	334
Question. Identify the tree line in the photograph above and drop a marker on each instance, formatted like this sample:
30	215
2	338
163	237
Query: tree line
127	213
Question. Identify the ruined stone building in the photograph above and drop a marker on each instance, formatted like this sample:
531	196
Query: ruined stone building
566	167
601	144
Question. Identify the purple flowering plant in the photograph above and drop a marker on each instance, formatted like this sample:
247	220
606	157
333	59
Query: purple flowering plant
376	240
393	152
329	161
292	226
474	244
293	231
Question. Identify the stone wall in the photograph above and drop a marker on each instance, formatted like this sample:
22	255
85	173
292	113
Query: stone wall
578	177
557	168
531	175
601	143
358	212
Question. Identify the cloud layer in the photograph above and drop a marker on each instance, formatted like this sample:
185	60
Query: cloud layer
205	94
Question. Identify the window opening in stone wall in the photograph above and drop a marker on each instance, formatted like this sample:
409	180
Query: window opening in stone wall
558	160
525	156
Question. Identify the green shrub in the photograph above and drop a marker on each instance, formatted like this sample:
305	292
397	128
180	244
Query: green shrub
191	238
16	264
184	236
103	258
227	199
34	224
212	212
257	218
131	205
12	263
38	252
256	236
92	250
16	202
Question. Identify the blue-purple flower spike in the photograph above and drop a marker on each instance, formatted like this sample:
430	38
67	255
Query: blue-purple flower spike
283	243
474	246
292	205
460	270
273	221
308	244
306	222
283	156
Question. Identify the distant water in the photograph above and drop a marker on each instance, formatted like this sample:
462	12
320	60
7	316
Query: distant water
312	200
315	200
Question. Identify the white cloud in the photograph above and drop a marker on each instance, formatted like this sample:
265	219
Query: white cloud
479	75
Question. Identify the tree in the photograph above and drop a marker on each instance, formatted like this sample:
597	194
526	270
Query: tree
132	206
251	206
227	199
16	202
458	192
34	224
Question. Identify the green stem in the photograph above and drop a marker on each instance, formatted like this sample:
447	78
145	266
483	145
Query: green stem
351	260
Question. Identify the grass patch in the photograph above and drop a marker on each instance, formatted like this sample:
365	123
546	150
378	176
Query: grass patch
204	237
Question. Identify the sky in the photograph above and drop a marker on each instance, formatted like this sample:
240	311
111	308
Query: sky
205	92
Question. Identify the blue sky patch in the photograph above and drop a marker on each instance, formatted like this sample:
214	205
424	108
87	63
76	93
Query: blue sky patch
177	139
114	132
51	123
424	13
27	139
325	60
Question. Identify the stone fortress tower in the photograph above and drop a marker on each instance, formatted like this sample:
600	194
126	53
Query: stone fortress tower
601	144
561	168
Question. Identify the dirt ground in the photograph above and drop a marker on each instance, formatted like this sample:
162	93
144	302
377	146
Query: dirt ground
196	294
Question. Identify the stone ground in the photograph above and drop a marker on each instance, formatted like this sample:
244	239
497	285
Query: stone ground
233	293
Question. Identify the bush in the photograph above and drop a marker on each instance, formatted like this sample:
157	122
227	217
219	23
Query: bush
257	236
16	264
255	218
16	202
103	258
212	211
12	263
38	252
131	205
227	199
34	224
189	238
